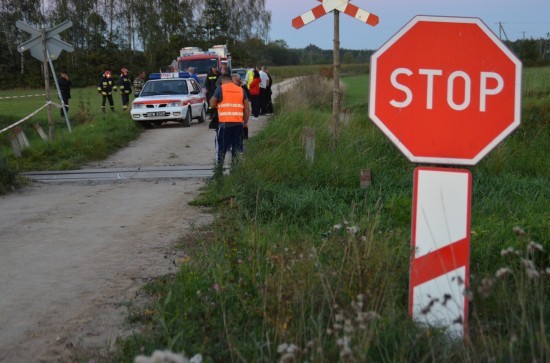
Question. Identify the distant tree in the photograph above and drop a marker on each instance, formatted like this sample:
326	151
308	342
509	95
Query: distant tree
348	58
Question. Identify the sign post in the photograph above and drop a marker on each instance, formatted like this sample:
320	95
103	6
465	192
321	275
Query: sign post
46	45
446	91
335	6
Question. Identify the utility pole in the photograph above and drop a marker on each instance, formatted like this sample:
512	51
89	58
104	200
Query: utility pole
51	125
336	76
501	32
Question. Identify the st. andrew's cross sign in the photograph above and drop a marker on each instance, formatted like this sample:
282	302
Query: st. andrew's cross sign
330	5
46	45
54	43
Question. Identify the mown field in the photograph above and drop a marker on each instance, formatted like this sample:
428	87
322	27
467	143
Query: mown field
303	265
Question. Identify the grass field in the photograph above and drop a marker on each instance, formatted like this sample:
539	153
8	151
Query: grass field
95	135
303	265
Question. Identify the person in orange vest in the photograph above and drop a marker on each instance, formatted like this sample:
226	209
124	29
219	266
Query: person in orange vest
233	113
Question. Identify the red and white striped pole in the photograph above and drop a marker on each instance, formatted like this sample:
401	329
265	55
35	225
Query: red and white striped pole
440	258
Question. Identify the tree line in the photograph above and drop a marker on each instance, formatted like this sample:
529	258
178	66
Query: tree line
148	34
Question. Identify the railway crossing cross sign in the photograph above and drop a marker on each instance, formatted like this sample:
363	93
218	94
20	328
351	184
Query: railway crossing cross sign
54	43
330	5
46	45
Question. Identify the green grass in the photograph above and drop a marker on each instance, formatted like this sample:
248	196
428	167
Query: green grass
95	135
283	266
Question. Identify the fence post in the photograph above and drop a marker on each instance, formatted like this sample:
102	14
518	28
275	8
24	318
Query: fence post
366	178
18	141
15	145
309	141
40	131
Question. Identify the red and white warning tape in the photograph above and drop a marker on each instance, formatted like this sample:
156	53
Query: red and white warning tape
29	116
24	96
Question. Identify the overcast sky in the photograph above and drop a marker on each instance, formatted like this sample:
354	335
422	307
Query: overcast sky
519	18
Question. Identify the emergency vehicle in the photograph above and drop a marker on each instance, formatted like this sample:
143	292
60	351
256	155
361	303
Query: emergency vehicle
169	97
202	60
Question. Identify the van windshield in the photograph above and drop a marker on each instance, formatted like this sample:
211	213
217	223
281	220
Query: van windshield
201	65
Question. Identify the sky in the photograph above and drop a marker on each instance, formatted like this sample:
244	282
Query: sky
519	19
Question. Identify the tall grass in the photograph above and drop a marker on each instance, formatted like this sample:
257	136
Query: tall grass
303	265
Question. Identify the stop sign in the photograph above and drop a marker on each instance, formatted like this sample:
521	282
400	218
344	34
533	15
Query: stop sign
445	90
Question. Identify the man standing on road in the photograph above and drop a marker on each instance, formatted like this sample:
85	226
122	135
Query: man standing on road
233	113
65	90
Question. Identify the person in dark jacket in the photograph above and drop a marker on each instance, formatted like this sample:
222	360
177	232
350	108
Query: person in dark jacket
65	90
210	85
105	88
210	82
125	86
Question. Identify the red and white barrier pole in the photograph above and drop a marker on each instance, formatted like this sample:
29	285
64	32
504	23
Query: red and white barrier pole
440	258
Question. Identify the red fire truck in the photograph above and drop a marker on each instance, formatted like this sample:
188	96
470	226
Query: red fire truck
202	60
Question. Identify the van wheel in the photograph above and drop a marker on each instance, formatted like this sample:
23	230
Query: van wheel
187	120
202	116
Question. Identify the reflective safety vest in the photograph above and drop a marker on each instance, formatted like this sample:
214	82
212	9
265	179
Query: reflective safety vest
231	107
250	74
106	86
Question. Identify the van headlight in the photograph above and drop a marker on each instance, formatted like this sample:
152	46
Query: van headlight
173	104
137	106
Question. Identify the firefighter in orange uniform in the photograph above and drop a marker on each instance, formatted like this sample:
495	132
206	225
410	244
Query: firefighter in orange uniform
233	113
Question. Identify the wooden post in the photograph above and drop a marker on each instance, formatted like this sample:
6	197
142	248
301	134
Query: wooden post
40	131
336	74
366	179
309	142
15	145
51	125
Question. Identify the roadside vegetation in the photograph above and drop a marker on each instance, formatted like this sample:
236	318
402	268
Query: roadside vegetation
302	264
95	135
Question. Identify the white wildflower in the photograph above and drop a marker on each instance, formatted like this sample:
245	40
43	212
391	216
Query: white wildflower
197	358
532	274
352	230
337	227
292	348
161	357
282	348
519	231
533	246
508	251
502	272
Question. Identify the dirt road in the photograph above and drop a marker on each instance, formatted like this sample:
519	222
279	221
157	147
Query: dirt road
73	254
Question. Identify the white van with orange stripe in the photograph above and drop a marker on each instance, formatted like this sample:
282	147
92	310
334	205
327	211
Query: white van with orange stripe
170	97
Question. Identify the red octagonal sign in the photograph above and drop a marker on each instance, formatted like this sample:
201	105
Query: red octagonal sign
445	90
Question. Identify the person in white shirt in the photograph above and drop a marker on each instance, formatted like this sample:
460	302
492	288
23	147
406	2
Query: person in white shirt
264	82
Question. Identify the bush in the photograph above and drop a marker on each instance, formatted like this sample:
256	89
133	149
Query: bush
8	176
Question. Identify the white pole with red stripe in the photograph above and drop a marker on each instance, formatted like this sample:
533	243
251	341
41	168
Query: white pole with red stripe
439	274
